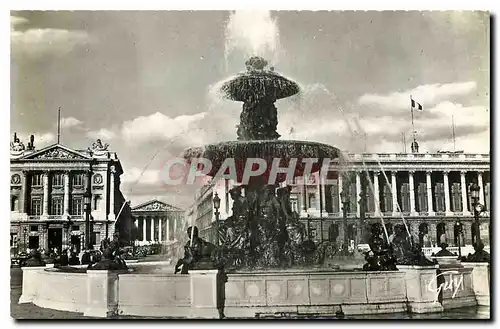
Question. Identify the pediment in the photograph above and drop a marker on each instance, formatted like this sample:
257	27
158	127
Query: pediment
155	205
56	152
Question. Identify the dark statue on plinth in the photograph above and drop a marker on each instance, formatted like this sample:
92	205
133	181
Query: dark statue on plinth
479	256
111	256
405	250
35	259
198	254
381	256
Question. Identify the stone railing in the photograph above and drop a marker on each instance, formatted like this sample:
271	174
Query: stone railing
412	156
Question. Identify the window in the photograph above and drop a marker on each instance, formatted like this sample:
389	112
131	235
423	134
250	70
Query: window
439	197
312	201
75	228
456	197
422	197
36	206
335	197
294	203
487	195
56	206
77	180
14	203
405	197
77	206
13	239
33	228
97	202
33	242
36	180
387	204
57	179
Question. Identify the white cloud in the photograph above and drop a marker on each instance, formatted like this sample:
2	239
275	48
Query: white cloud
41	41
149	176
102	133
41	139
158	127
70	122
425	94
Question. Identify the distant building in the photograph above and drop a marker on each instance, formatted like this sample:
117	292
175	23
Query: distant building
157	222
431	190
46	196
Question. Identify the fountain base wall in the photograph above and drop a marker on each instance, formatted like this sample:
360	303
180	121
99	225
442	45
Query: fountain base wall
203	293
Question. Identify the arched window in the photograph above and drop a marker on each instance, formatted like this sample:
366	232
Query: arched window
333	232
14	203
423	234
441	233
457	235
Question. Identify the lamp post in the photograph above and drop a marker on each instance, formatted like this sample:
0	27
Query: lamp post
86	201
478	208
345	209
25	238
216	201
68	224
458	229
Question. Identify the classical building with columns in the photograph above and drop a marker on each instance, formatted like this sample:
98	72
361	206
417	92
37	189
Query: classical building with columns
158	222
430	192
47	188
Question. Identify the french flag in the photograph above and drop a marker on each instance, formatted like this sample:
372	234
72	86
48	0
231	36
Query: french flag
416	105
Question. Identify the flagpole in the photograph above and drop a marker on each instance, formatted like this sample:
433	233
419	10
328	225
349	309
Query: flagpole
59	125
412	123
453	131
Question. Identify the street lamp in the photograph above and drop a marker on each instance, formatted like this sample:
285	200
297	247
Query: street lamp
87	196
25	238
216	201
345	208
458	229
478	208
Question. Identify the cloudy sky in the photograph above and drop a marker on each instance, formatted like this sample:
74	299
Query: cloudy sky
144	82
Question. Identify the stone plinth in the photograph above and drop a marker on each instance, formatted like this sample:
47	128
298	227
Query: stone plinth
421	288
480	282
454	284
30	283
207	294
102	293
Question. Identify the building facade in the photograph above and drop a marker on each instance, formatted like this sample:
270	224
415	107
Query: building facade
47	190
158	222
428	192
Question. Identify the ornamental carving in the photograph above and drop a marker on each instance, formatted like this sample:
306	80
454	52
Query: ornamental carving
98	146
97	179
16	145
15	179
57	154
155	206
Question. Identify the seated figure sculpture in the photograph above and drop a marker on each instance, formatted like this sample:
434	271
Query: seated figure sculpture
381	255
198	253
479	256
111	256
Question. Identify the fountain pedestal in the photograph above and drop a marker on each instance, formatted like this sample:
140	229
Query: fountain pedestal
30	276
480	282
102	293
421	288
207	294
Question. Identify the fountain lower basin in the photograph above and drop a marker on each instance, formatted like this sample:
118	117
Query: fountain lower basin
202	294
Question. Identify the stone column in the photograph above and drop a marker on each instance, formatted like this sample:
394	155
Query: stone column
160	219
340	189
45	212
376	192
463	188
446	193
428	183
66	195
358	194
394	192
144	222
24	192
318	187
481	187
168	229
152	221
412	192
111	215
323	194
304	196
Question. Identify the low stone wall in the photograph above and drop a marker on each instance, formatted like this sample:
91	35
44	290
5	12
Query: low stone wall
202	294
154	295
318	292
